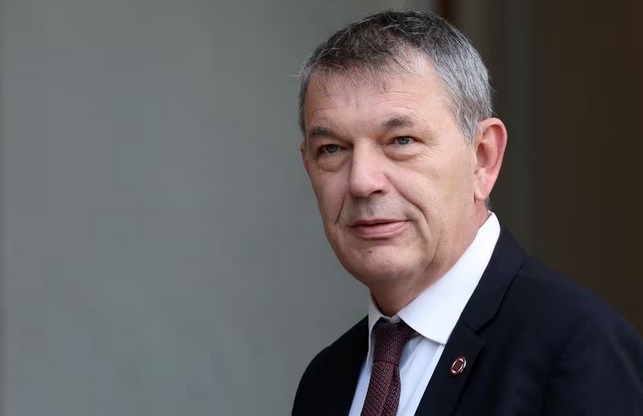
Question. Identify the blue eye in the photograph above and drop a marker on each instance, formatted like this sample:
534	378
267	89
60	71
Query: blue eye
403	140
329	148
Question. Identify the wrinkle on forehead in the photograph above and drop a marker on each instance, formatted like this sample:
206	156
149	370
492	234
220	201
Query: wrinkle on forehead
406	101
333	81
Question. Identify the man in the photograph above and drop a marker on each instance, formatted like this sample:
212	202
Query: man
402	153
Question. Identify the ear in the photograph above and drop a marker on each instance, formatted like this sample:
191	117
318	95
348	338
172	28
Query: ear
304	154
490	144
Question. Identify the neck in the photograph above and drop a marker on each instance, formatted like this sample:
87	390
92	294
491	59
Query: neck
391	296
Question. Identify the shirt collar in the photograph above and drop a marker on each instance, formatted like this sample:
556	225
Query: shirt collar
434	313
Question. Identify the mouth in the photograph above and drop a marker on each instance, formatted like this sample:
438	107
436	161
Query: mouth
376	228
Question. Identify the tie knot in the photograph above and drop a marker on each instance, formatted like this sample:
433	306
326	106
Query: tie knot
390	338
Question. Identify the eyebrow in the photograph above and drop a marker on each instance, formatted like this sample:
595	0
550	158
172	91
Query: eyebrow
319	131
390	124
396	122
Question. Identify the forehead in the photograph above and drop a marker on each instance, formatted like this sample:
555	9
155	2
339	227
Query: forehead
415	88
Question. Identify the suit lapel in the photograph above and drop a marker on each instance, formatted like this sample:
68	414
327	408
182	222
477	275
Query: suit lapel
441	396
444	389
347	369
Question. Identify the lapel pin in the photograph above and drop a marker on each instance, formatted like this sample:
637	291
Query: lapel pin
457	367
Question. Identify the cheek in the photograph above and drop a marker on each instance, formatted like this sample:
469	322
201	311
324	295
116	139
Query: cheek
330	198
420	186
437	191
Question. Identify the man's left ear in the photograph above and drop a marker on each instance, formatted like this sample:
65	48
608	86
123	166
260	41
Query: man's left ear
490	143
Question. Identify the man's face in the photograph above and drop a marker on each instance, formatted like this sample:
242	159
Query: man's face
393	176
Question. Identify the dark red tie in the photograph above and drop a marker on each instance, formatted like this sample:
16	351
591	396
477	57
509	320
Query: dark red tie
383	395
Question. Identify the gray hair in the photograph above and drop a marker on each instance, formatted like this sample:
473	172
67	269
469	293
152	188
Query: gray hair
387	39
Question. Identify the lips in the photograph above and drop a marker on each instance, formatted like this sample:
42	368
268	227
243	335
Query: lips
378	228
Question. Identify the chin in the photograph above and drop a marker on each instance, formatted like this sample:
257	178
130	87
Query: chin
378	268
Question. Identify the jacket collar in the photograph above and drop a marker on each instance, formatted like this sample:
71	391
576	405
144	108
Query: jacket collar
444	390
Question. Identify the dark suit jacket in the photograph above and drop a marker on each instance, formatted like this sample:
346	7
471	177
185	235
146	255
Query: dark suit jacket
535	344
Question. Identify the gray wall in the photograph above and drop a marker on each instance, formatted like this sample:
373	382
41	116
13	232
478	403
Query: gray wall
161	249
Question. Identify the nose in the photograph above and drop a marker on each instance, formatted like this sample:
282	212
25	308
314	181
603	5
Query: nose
367	175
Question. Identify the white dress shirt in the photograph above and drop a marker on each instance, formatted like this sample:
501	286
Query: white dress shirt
433	315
